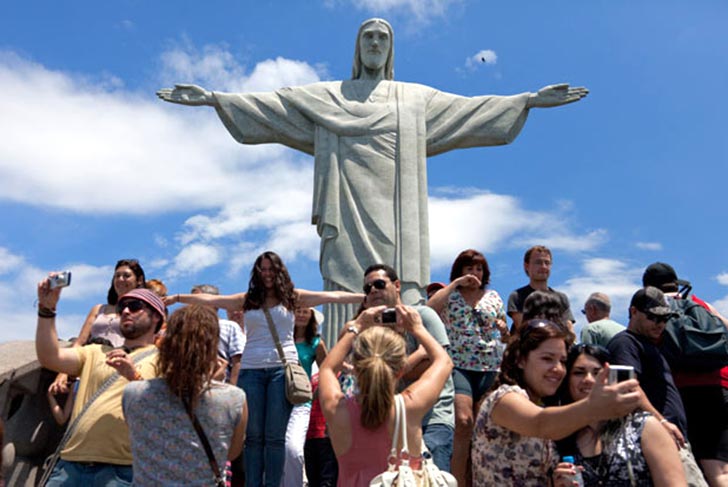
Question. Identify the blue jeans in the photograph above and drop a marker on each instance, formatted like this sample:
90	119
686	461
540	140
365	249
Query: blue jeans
268	412
91	474
438	439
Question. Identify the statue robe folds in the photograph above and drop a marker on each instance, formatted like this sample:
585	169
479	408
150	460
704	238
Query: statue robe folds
370	141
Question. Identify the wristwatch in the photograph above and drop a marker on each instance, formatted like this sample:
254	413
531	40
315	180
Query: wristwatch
353	329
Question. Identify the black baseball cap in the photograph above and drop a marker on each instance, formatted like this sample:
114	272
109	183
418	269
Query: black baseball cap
659	274
651	300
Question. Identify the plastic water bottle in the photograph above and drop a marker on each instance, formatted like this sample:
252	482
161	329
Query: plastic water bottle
577	476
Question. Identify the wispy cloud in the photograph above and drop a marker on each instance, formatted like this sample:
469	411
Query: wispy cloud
722	278
420	11
655	246
485	56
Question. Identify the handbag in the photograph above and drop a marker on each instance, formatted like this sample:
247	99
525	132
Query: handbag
399	473
217	477
298	385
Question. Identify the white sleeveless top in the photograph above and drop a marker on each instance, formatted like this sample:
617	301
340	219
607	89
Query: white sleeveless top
260	349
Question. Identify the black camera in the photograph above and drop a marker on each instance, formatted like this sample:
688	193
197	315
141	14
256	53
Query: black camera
389	315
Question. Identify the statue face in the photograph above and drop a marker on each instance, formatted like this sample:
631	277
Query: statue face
374	45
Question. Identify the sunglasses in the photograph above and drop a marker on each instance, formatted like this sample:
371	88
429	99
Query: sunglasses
378	284
656	318
134	305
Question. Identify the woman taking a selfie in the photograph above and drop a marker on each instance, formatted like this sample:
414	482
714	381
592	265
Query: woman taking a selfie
631	451
511	440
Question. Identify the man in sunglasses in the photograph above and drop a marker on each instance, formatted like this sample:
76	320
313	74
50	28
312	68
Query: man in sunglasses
638	346
382	288
98	449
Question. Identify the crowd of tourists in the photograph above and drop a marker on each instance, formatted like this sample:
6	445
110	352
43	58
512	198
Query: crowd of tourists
188	398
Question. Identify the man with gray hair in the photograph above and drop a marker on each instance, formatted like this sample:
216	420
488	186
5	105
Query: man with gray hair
600	328
232	339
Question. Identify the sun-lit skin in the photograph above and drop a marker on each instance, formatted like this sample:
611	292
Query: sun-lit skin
267	273
544	368
136	324
124	280
642	325
474	270
538	267
302	316
389	296
583	376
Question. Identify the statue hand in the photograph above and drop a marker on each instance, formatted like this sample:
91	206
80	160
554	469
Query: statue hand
187	95
556	95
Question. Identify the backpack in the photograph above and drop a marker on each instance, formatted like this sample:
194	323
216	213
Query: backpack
694	340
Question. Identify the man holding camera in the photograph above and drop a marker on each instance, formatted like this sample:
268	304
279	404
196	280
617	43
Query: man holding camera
96	450
382	288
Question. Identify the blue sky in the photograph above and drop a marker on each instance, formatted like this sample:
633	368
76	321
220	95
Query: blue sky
93	168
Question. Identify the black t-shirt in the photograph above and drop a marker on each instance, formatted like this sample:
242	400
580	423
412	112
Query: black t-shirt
518	297
653	372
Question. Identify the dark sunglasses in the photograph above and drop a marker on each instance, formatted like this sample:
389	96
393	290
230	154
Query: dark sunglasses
656	318
134	305
378	284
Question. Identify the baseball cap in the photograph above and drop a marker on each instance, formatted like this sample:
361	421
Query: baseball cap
659	274
433	287
651	300
148	297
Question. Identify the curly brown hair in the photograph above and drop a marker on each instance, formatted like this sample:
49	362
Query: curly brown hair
378	356
188	353
532	334
283	287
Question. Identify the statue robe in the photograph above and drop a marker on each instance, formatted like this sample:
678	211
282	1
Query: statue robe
370	141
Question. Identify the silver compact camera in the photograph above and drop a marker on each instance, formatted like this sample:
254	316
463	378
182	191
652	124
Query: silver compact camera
62	279
620	373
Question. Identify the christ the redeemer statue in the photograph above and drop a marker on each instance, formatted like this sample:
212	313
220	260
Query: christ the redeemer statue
370	137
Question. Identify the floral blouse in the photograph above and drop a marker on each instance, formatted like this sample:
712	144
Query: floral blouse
621	451
503	457
475	341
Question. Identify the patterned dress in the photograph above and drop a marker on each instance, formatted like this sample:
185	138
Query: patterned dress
165	445
475	342
621	451
502	457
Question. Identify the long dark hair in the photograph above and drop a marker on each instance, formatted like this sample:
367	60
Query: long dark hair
311	328
467	258
189	351
532	334
136	268
282	285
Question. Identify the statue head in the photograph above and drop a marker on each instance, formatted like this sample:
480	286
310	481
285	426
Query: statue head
373	59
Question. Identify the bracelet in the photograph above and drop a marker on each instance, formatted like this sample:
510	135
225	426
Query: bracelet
137	375
44	312
353	329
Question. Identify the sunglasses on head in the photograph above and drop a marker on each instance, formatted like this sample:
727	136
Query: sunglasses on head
537	323
378	284
134	305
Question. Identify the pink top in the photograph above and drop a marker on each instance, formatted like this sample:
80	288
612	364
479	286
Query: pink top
367	456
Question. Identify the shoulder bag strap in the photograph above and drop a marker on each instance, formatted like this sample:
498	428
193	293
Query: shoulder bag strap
219	480
393	459
404	451
53	459
274	332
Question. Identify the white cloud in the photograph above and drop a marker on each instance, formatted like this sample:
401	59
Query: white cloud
721	305
421	11
722	278
97	134
195	258
615	278
656	246
453	226
9	261
485	56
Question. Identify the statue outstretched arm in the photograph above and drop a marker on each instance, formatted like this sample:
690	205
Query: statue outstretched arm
187	95
556	95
